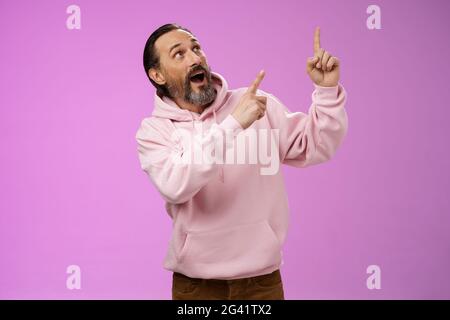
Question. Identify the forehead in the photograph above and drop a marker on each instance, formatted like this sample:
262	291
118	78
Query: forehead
167	40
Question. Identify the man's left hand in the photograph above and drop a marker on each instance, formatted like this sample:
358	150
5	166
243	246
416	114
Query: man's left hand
322	68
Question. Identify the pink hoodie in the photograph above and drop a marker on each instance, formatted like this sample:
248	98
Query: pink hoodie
229	220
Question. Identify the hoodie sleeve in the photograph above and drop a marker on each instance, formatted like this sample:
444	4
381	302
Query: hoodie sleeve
169	161
312	138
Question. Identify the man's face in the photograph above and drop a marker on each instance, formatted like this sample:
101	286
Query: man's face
184	70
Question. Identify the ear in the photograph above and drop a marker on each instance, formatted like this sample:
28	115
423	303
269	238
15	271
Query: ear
156	76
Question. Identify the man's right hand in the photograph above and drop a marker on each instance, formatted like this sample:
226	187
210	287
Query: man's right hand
251	107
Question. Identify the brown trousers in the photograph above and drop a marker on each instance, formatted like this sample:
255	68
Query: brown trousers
264	287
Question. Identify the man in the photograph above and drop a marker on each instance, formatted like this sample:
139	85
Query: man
229	220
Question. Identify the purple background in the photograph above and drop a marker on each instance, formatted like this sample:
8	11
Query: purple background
72	191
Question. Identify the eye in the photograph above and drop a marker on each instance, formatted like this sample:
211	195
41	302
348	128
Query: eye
178	53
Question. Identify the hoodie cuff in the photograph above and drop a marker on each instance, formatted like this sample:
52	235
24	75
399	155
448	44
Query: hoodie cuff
326	92
230	123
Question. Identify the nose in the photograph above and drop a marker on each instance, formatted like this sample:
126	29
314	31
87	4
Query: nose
194	59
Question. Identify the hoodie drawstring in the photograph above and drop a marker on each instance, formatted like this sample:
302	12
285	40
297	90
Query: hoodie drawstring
221	173
215	118
193	120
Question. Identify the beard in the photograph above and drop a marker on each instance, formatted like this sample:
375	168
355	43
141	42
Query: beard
183	89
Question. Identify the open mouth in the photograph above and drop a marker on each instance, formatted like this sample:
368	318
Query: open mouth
198	77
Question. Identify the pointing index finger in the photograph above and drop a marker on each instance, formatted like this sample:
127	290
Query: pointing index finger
317	40
254	86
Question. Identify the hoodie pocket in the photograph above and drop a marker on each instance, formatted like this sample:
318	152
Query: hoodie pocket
229	251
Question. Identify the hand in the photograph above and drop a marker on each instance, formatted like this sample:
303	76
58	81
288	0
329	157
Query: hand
322	68
251	107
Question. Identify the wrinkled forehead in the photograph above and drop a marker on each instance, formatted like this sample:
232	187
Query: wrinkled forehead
170	39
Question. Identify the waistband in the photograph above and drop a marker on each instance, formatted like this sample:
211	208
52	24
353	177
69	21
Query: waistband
243	280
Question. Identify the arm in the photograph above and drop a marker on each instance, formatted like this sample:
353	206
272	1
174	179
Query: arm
312	138
170	164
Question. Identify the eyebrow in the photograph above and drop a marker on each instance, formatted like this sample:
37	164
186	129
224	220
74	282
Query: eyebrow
178	44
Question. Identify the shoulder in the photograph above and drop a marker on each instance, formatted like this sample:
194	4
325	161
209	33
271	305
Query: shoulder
272	101
152	127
